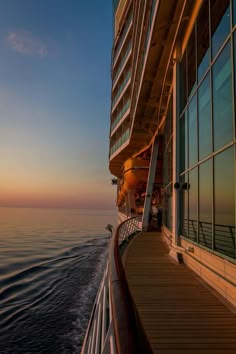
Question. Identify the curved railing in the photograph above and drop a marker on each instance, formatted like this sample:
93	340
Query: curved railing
114	326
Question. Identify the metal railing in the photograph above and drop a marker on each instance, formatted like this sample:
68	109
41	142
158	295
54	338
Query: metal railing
218	237
127	229
121	114
121	66
99	337
114	326
124	137
121	39
143	54
121	88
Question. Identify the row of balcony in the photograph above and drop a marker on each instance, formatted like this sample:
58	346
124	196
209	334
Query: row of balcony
148	30
144	51
125	108
125	80
128	50
122	37
124	137
121	114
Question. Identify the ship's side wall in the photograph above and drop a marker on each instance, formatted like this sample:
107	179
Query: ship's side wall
178	84
199	214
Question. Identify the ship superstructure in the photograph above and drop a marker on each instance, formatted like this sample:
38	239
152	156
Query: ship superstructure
181	97
172	150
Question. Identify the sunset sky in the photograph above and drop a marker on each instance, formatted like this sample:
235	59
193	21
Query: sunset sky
55	103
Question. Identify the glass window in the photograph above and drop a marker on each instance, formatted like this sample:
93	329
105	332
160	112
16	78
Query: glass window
234	12
170	165
224	203
220	25
167	148
193	204
203	52
165	168
184	207
191	63
235	61
192	128
183	91
167	217
184	142
205	203
204	118
222	99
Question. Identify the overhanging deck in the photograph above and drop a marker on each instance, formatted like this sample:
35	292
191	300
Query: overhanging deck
179	312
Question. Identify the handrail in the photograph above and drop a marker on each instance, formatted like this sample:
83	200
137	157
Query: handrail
205	231
99	335
114	326
129	335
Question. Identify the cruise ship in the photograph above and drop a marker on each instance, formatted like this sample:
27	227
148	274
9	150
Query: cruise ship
169	286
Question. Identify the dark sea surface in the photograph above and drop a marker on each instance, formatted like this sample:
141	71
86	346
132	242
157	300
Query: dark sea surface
51	264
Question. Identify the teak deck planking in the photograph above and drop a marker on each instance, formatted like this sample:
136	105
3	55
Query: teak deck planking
179	312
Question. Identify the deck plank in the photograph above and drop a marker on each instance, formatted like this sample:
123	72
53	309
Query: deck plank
179	313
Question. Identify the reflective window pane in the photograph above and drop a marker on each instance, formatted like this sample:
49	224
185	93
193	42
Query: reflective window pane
220	25
224	202
167	217
184	208
183	142
191	63
192	128
222	99
183	91
205	203
193	205
234	11
204	118
235	61
203	52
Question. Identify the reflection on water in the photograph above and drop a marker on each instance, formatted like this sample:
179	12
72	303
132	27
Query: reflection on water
51	264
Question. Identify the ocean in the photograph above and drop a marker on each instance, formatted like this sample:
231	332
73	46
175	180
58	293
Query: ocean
51	264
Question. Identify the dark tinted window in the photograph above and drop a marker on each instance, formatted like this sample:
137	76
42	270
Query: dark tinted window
222	99
192	128
193	204
224	202
220	25
204	118
203	52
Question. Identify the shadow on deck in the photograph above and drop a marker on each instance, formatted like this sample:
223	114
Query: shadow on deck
179	312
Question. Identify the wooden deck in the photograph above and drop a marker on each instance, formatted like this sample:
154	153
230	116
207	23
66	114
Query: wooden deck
179	312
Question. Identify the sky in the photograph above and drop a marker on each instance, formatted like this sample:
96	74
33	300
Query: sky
55	103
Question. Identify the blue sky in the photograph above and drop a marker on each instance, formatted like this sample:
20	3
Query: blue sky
55	103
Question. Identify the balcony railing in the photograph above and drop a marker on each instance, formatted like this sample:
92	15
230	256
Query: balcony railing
121	114
144	52
218	237
124	82
121	39
127	53
124	137
114	326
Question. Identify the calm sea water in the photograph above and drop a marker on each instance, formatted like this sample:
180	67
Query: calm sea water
51	263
